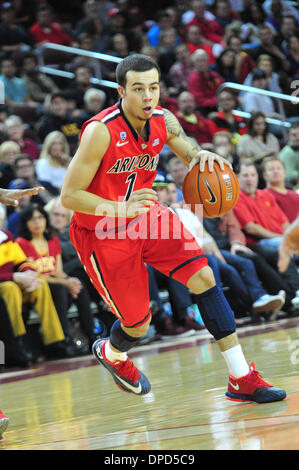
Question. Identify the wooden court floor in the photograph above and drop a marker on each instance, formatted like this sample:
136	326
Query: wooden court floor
75	405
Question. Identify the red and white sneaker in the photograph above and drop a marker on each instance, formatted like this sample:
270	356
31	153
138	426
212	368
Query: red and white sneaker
126	376
3	423
252	387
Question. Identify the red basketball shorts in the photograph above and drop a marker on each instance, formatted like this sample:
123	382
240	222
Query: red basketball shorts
116	262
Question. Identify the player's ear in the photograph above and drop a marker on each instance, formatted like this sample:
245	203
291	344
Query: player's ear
121	91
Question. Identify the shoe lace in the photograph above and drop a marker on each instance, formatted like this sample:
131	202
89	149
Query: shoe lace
127	370
258	378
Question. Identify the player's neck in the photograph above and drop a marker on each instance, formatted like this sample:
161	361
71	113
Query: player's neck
137	124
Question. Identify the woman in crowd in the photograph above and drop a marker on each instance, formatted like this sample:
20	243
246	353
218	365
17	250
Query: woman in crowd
59	220
9	150
44	250
15	131
258	143
53	162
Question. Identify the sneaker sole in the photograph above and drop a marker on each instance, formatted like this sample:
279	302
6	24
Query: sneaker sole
272	305
264	395
120	384
4	422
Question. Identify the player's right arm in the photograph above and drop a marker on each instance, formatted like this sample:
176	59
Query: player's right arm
81	171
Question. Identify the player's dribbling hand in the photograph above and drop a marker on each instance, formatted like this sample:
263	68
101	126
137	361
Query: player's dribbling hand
205	156
140	202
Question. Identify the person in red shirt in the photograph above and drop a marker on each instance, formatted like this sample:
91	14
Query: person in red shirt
44	30
264	224
195	41
257	211
210	30
204	83
193	123
274	174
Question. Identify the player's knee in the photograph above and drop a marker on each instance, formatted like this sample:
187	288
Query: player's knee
139	331
202	280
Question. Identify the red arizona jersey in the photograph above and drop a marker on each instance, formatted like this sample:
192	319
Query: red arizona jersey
129	163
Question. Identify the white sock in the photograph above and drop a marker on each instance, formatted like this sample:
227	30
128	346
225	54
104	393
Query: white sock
236	362
113	356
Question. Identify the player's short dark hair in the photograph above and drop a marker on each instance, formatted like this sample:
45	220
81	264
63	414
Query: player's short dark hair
136	62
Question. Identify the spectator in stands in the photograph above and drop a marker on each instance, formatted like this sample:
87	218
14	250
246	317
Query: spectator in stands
20	284
8	152
45	30
13	37
243	62
81	83
275	18
274	175
224	119
94	101
262	103
59	221
204	83
257	211
289	155
13	220
193	123
38	85
292	54
167	54
288	28
224	146
53	162
195	41
95	28
268	46
119	45
180	70
15	131
14	87
57	118
265	63
258	142
163	22
24	169
44	252
224	13
167	101
225	65
85	42
210	29
263	223
177	171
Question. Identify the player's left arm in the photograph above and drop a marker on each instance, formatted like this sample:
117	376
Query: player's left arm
187	149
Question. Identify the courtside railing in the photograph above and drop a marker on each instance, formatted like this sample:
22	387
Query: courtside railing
74	51
272	94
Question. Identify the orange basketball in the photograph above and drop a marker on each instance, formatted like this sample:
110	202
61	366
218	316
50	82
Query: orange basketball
217	191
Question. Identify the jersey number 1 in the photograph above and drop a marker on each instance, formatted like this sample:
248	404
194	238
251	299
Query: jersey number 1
131	180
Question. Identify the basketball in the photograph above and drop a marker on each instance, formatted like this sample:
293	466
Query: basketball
217	191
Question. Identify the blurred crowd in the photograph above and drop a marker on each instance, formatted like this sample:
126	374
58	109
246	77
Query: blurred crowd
199	45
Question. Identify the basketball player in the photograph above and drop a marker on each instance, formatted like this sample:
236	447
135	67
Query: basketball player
289	245
109	186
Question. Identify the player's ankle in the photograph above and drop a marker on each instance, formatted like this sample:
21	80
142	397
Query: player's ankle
113	355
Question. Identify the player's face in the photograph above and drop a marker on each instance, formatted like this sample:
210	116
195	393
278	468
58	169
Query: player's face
248	179
141	94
